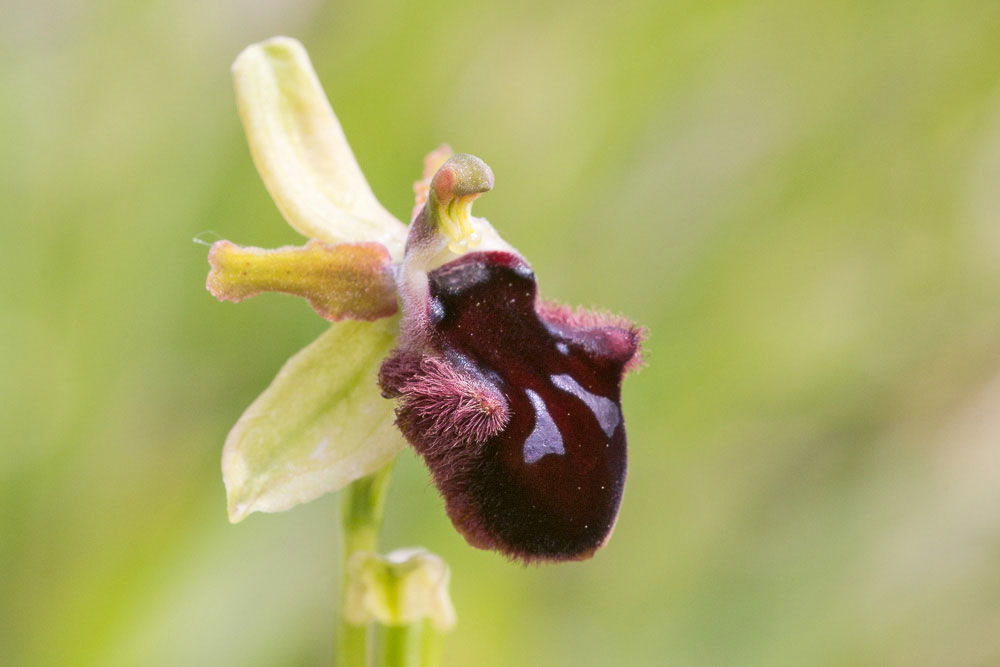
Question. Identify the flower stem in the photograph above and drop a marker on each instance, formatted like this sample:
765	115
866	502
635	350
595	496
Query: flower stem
414	645
362	506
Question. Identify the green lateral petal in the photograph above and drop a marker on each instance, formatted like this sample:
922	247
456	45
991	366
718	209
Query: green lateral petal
320	425
346	280
301	152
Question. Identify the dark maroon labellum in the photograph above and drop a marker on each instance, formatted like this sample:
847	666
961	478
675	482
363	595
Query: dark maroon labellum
519	418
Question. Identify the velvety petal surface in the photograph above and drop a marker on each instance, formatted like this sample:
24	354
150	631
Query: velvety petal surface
346	280
517	410
320	425
301	152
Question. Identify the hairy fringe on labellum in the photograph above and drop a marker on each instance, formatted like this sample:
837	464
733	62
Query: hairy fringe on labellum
624	332
452	405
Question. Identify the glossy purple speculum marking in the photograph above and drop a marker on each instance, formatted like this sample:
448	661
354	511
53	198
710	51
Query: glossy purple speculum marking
548	485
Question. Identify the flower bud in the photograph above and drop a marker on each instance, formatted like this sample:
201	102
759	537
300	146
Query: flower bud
401	588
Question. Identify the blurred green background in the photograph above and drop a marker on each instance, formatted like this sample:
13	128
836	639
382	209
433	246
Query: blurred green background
800	200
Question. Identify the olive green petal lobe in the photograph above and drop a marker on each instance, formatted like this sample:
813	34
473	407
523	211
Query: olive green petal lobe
301	152
346	280
321	424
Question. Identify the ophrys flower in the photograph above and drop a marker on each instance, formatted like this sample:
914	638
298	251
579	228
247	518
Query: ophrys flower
513	402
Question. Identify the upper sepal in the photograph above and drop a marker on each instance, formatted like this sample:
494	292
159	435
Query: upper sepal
301	152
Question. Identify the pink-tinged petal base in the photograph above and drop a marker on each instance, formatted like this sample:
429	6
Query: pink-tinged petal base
432	162
515	407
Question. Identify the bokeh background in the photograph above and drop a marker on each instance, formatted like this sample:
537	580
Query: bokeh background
801	200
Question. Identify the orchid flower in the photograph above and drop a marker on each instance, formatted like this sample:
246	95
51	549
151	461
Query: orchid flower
438	338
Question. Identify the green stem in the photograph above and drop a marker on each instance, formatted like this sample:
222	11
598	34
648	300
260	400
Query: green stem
362	506
414	645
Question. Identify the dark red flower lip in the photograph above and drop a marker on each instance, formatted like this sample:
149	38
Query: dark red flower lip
514	404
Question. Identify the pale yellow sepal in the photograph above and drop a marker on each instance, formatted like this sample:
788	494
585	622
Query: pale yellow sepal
403	587
301	152
320	425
